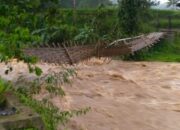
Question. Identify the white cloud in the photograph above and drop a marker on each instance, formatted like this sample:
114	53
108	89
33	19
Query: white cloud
163	1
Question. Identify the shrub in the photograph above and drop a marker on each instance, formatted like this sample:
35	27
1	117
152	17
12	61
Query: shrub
4	87
86	35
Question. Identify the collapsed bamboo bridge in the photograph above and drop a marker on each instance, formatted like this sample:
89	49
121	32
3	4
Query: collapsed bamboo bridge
63	54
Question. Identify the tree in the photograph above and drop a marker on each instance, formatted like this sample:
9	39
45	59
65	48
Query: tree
172	3
130	14
178	4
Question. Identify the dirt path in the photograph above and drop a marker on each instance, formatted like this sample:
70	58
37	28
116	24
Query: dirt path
122	95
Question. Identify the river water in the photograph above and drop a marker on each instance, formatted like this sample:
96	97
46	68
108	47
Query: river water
122	95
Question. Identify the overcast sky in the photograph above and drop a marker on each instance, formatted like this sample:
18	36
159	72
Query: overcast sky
163	1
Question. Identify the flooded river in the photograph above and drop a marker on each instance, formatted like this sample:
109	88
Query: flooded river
122	95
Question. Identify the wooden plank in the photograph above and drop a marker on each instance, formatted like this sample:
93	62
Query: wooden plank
69	56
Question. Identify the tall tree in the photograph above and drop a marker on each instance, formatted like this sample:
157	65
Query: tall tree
178	5
130	12
172	3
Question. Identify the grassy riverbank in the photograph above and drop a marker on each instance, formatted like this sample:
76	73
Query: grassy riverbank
166	51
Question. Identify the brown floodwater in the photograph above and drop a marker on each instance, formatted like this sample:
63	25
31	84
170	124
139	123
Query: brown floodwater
122	95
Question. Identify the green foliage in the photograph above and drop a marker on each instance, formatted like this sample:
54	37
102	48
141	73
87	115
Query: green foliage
105	30
68	73
132	14
11	43
178	5
4	87
168	51
84	3
21	26
100	25
27	23
56	34
17	21
38	71
172	3
161	16
52	86
30	59
86	35
128	16
28	5
50	114
32	68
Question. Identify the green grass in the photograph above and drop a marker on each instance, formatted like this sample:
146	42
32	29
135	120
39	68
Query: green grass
162	16
166	51
164	23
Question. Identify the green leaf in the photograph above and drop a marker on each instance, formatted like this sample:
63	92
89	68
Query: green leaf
38	71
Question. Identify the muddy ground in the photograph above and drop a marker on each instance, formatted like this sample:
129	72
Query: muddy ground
122	95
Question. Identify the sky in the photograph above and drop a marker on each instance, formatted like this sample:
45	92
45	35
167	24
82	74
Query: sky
163	1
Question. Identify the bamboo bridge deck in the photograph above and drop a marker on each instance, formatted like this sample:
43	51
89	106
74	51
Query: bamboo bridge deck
70	55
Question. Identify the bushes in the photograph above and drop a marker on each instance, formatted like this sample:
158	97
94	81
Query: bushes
51	115
168	51
132	15
55	34
161	16
4	87
47	24
12	42
86	35
22	26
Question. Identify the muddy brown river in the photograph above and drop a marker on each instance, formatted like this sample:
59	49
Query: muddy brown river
122	95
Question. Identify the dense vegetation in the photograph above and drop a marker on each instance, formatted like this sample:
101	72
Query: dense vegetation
167	50
4	86
131	15
27	23
84	3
